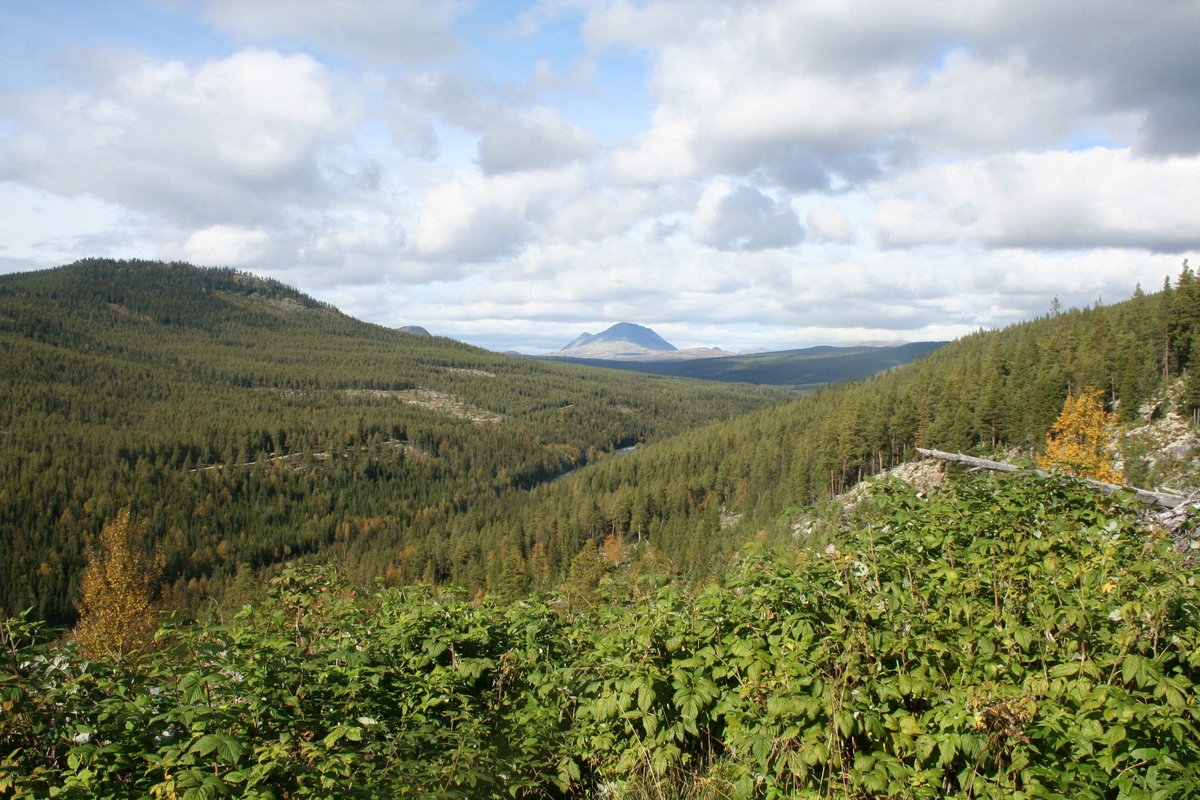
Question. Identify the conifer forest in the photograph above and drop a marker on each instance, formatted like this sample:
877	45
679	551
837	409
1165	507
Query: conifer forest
253	547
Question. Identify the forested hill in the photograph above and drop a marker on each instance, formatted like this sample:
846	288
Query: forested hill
697	497
247	423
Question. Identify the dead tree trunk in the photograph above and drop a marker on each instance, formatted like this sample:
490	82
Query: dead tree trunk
1149	498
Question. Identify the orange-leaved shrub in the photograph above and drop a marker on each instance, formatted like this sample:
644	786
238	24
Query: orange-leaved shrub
1078	440
117	616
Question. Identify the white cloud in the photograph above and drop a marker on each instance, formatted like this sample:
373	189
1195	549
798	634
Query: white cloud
816	95
472	217
475	218
413	130
225	244
535	139
231	138
511	138
545	296
659	155
1053	200
485	194
809	130
826	222
383	30
545	81
740	217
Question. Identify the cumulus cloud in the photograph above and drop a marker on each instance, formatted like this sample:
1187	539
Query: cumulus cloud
544	297
383	30
1053	200
545	81
229	139
828	223
473	218
511	138
226	244
1139	58
536	139
806	172
816	96
413	131
743	218
234	161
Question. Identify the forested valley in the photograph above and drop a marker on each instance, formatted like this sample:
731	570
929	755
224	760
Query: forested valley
245	424
694	499
351	562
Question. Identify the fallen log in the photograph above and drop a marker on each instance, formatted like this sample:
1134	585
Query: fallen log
1143	495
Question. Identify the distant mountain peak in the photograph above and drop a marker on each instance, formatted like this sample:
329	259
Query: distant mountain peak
582	339
417	329
625	339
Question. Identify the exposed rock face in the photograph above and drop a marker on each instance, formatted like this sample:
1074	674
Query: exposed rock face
1164	453
924	475
1170	437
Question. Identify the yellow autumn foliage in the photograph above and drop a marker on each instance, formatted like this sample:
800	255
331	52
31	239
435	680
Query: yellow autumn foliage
117	617
1078	440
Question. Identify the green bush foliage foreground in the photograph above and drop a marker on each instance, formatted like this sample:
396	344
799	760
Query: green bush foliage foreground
1008	638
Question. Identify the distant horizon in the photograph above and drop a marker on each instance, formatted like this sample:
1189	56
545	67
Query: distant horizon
743	351
535	351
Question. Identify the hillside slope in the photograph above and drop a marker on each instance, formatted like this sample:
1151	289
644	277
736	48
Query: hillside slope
696	497
247	423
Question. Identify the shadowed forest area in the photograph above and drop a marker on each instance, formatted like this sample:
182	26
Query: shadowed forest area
807	369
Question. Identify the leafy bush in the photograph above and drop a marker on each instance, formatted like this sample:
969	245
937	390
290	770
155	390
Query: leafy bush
1010	638
321	692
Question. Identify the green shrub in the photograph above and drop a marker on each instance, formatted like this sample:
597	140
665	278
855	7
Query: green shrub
1009	638
1013	638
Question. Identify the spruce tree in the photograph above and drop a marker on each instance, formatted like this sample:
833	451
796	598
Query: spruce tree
1191	384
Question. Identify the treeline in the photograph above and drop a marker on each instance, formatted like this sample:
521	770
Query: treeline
698	496
247	423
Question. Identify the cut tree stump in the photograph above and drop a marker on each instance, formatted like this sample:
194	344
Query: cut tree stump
1143	495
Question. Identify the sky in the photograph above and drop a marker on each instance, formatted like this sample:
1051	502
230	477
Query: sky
734	174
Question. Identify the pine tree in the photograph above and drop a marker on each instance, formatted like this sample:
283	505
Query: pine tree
514	577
